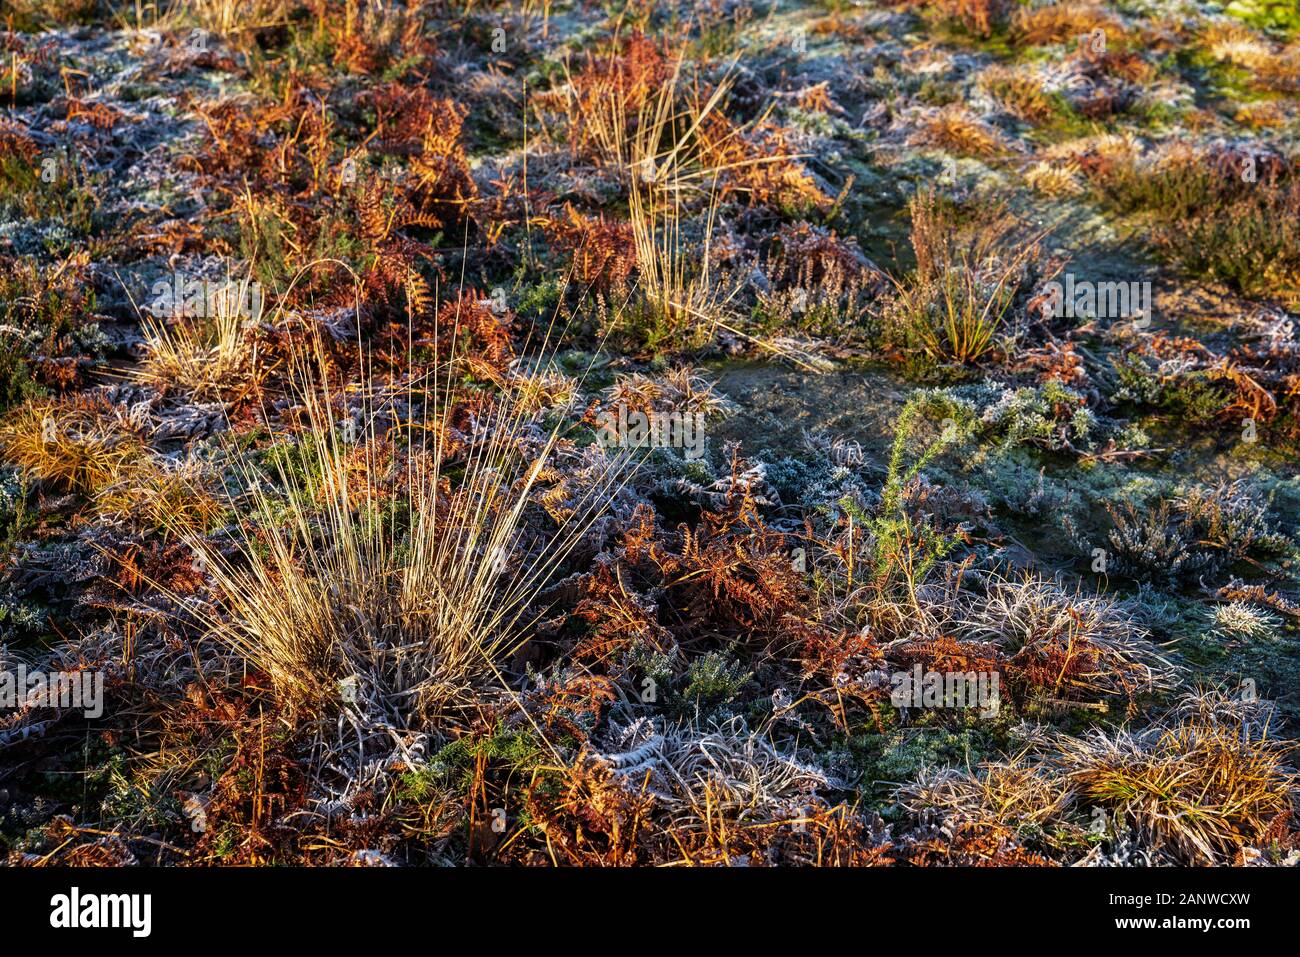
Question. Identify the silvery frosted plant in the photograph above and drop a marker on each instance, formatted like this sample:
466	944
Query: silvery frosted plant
1239	619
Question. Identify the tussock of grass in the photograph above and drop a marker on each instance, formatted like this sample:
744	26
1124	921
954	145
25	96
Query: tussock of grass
75	445
395	609
1063	22
980	17
957	130
1067	645
1209	780
967	276
163	496
207	356
1194	788
1009	793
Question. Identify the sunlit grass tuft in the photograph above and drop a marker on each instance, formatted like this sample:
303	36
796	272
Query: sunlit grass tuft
75	445
393	551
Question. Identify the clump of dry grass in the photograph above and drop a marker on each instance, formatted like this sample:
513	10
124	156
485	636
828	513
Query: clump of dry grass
162	495
1062	22
1261	115
733	797
1020	90
226	17
1173	181
675	276
664	133
79	445
1051	179
1272	67
1245	621
1009	793
957	130
29	14
980	17
1197	787
680	158
207	356
668	176
1202	784
1069	645
682	390
721	794
392	578
650	117
1234	42
967	276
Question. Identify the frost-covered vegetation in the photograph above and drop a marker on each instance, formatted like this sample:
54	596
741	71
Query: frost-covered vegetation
642	433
